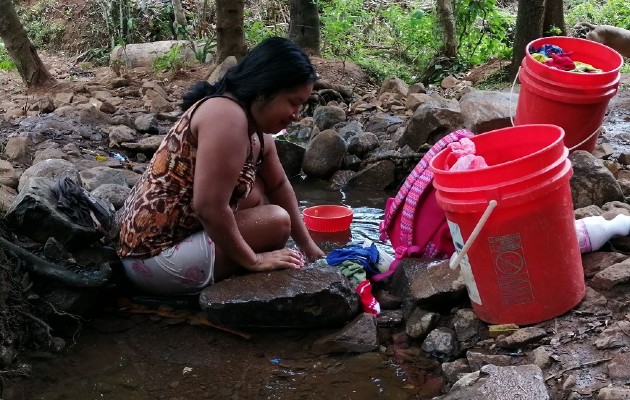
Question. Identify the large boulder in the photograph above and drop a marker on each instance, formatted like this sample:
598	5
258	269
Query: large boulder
324	155
35	214
144	54
291	298
592	183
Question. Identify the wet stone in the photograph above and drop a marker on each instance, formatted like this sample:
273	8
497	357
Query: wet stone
599	260
477	359
307	297
389	318
522	337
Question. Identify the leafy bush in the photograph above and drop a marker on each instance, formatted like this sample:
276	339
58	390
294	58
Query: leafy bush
6	64
171	61
612	12
402	38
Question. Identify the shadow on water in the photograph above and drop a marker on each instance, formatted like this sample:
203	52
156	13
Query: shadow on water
128	356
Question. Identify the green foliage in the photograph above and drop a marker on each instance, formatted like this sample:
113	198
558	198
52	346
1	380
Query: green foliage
204	48
42	32
403	38
263	23
99	56
171	61
612	12
257	30
399	38
6	64
483	31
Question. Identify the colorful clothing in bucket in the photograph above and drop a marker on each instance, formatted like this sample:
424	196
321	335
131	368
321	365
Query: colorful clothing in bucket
555	57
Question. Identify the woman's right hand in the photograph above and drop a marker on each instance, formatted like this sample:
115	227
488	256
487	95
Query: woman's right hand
277	259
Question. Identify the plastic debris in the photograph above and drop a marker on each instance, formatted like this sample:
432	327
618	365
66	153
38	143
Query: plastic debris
119	156
503	329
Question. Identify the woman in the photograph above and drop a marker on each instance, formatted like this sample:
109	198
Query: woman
215	199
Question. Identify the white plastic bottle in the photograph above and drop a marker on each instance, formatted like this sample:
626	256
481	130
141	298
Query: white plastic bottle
594	232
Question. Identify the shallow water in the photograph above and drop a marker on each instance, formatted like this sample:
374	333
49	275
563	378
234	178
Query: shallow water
368	210
129	356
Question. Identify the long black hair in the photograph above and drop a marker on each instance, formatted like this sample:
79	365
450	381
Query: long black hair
275	65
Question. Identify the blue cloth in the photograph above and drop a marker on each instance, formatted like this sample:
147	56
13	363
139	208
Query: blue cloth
547	50
366	256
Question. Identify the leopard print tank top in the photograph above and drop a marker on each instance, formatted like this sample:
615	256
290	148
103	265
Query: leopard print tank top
159	212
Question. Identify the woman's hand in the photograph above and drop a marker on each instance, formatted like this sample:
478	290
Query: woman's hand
312	252
278	259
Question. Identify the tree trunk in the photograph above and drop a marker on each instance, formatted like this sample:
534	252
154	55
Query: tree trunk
230	32
554	18
180	19
20	48
447	22
529	26
304	24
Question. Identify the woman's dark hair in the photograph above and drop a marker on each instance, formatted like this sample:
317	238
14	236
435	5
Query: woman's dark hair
275	65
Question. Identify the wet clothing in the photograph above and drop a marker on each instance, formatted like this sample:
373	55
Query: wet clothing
159	211
185	268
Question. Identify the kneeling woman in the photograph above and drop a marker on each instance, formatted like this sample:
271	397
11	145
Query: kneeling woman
215	199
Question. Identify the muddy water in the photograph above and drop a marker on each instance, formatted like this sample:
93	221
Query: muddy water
121	356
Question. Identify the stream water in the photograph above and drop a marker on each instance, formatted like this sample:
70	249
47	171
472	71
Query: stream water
120	356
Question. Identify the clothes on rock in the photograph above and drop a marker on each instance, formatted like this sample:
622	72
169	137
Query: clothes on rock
353	271
81	207
358	263
367	257
368	301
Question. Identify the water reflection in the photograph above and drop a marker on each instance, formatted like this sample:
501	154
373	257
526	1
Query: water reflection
368	208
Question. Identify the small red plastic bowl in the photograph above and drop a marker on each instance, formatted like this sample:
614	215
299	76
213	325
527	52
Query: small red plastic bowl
328	218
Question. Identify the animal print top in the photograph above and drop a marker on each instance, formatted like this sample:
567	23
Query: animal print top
159	211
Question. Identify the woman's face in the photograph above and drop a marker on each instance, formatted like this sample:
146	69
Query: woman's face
274	115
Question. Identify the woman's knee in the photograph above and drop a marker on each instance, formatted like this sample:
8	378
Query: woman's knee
280	218
265	227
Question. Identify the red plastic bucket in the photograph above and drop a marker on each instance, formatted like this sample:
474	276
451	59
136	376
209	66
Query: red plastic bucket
525	266
574	101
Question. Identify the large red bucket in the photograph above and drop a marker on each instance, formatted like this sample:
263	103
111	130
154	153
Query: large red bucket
524	266
574	101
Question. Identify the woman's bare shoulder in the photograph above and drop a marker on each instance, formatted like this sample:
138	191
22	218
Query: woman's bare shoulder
219	112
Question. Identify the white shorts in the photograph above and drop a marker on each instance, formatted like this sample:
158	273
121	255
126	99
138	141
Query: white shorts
185	268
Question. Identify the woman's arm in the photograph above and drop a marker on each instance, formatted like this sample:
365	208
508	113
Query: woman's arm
221	129
280	192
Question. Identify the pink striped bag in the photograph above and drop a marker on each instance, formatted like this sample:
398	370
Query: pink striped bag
414	223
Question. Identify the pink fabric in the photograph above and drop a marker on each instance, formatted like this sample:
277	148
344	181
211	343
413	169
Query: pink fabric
561	61
413	222
464	152
368	301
